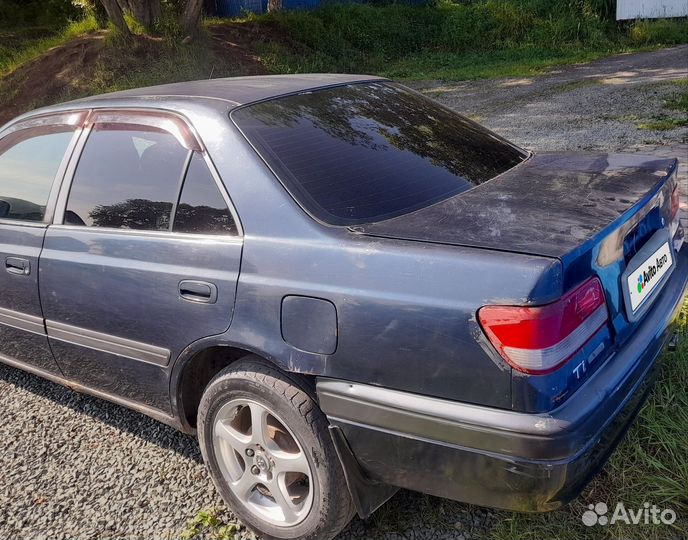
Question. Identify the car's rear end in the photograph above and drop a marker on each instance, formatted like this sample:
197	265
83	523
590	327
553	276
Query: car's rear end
581	365
579	342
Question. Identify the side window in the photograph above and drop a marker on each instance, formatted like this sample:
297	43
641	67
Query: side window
201	209
29	160
127	178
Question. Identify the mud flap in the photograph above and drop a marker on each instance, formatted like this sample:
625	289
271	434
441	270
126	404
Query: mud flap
367	494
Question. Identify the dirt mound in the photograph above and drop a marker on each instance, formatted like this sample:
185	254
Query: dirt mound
47	79
92	64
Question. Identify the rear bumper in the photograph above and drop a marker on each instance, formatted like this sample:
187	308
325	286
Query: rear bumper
498	458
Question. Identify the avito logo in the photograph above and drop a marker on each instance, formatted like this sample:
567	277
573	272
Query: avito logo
647	275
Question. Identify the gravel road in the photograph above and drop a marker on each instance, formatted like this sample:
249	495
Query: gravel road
76	467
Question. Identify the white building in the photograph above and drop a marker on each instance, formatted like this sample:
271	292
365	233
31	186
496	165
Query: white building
650	9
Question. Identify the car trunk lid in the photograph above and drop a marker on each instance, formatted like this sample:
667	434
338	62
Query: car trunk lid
550	205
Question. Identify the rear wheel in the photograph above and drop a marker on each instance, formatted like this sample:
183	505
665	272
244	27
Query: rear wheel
266	445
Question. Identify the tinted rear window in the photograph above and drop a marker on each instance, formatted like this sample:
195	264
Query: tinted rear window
368	152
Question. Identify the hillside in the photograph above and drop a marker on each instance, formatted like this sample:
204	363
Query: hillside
445	41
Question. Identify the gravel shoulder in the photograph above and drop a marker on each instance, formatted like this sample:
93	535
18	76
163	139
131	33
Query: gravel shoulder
74	467
595	106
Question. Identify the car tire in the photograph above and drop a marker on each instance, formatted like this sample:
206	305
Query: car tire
290	453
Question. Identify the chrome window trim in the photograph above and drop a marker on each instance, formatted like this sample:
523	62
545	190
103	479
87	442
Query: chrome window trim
190	237
24	223
107	343
22	321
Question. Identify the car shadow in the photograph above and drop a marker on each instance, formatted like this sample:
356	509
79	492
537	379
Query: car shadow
109	413
408	515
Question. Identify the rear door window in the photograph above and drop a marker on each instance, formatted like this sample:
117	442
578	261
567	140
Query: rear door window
29	161
367	152
127	177
201	208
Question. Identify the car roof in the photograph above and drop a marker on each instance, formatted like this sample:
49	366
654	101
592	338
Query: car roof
237	90
231	92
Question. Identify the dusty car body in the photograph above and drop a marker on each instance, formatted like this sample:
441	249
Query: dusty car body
420	327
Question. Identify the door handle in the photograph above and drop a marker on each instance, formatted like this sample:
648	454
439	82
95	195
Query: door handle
198	291
15	265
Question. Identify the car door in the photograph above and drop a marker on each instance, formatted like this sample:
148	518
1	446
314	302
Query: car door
143	258
32	155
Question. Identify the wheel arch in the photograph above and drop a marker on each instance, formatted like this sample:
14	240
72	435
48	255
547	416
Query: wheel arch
199	363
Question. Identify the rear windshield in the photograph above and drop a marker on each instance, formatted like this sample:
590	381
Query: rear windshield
367	152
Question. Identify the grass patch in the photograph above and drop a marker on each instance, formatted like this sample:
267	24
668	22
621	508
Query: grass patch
679	101
480	39
19	47
150	62
663	124
676	102
209	525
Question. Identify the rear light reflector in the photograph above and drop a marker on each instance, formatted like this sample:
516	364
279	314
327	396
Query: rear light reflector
539	340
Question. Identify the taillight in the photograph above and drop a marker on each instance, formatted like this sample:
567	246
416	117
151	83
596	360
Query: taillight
538	340
675	205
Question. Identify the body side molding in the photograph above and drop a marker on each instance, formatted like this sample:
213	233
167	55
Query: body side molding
22	321
107	343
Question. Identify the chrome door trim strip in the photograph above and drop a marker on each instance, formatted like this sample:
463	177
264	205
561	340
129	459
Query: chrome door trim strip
107	343
22	321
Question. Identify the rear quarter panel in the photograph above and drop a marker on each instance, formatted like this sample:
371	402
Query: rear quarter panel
406	311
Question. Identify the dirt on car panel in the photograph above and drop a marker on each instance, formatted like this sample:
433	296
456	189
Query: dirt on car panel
548	205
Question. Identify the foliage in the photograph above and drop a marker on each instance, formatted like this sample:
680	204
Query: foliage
208	524
50	13
450	40
15	55
665	31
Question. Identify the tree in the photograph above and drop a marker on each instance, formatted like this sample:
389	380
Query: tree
116	16
274	5
144	11
191	16
148	11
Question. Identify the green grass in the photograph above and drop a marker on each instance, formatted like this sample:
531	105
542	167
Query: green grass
209	525
17	47
676	107
151	62
663	124
485	38
679	101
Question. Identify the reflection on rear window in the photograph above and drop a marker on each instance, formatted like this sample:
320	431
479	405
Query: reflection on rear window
368	152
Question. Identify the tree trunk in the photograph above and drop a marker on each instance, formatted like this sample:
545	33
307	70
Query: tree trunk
115	15
191	16
274	6
144	11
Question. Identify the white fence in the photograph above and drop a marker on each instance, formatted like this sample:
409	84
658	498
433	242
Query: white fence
650	9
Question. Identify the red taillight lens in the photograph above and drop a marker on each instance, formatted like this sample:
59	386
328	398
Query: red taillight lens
538	340
675	203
